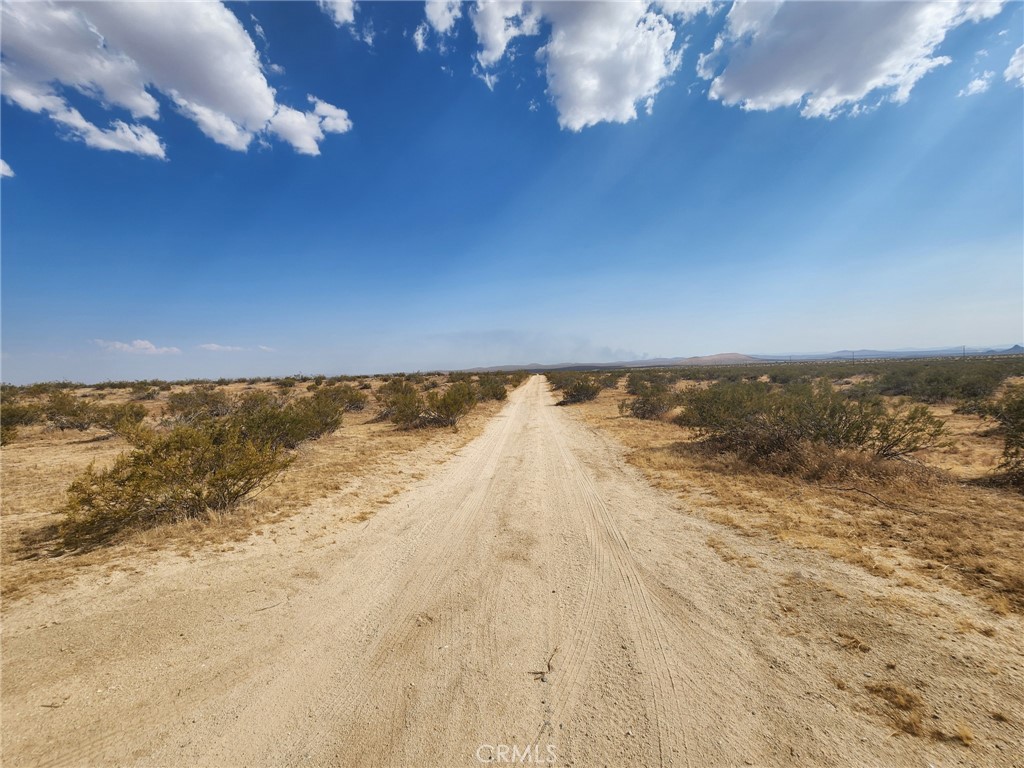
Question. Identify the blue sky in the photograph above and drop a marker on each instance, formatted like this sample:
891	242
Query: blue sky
298	187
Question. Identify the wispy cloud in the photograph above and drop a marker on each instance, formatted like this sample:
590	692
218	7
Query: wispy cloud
220	348
5	170
262	348
978	85
137	347
1014	72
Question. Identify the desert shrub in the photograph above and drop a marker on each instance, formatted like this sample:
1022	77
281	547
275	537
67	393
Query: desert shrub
945	380
580	390
65	411
141	390
47	388
515	378
446	410
315	416
286	383
14	414
180	474
651	403
640	382
757	422
1008	413
120	419
348	397
202	402
400	403
491	387
905	430
269	419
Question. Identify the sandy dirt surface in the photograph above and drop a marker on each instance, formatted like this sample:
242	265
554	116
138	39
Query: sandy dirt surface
533	591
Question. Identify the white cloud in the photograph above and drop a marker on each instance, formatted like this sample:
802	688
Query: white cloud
684	9
263	348
258	29
332	119
305	130
137	347
601	59
1014	72
497	23
367	34
489	78
5	170
196	53
419	37
300	129
342	12
826	57
978	85
442	14
220	348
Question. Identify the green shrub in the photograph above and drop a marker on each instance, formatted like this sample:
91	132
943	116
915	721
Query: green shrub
181	474
652	404
576	386
491	387
581	390
400	403
757	422
65	411
1008	412
269	419
446	410
120	419
202	402
14	414
906	430
141	390
348	397
515	378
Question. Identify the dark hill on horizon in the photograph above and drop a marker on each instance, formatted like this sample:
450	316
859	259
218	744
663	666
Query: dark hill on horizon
736	358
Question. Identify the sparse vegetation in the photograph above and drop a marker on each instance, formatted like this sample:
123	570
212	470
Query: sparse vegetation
759	422
15	414
168	477
202	402
575	386
215	452
1008	413
65	411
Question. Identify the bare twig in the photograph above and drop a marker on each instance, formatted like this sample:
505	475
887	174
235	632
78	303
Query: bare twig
549	668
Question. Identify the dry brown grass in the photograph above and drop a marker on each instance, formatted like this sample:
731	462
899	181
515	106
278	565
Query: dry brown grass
37	468
895	519
905	707
730	555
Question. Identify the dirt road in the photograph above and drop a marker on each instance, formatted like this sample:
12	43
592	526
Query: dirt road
531	593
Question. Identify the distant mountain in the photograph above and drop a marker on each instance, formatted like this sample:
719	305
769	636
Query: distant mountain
735	358
890	354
